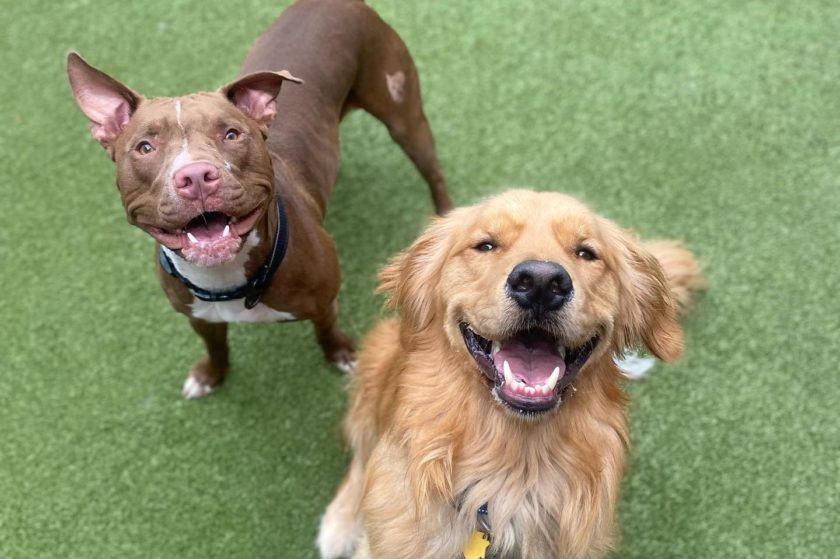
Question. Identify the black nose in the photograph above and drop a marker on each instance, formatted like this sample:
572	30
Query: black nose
539	286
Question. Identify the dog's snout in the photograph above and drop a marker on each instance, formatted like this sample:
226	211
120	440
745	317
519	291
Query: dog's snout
196	180
539	286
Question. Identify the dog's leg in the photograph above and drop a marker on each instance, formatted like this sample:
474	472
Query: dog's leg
337	346
414	136
362	548
389	89
209	371
341	526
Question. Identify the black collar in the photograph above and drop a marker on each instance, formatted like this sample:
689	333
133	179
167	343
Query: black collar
482	515
255	287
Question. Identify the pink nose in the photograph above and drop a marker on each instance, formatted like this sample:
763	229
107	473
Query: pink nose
198	179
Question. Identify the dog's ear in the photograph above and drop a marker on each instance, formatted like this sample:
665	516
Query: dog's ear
411	278
647	310
107	103
255	94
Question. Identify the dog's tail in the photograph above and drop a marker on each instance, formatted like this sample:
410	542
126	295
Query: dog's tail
683	272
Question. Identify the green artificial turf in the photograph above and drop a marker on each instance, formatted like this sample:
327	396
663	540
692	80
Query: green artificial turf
715	122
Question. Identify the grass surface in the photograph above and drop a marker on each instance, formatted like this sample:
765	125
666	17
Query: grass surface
715	122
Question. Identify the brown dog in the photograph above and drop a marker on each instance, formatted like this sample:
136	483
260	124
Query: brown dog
236	197
490	413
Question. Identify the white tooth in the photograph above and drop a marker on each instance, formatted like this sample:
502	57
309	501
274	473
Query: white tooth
552	380
529	390
508	373
496	348
191	237
562	351
226	232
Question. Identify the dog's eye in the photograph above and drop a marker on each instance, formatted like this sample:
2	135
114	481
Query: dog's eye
586	253
232	134
485	246
145	147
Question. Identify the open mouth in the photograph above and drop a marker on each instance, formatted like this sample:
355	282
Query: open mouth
208	239
530	369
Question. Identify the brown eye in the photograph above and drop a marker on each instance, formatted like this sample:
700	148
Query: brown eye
485	246
145	148
586	253
232	134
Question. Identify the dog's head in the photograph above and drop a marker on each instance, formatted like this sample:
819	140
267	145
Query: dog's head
193	171
533	287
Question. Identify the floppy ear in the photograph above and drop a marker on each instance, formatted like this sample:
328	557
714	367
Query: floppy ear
647	310
411	278
255	93
107	103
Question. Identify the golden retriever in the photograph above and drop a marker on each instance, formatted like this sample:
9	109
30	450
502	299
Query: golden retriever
493	403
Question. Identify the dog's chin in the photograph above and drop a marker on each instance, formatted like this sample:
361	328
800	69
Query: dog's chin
208	239
528	371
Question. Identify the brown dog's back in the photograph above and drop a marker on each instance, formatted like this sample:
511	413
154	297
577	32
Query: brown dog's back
348	58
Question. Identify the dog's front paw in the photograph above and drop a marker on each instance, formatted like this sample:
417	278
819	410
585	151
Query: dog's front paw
339	350
337	536
346	362
201	380
194	388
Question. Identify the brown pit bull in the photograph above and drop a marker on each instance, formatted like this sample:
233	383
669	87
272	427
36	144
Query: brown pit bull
235	197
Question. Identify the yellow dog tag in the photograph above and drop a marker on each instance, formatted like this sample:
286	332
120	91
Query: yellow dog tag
477	546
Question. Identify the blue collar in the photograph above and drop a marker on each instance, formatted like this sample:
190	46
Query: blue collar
255	287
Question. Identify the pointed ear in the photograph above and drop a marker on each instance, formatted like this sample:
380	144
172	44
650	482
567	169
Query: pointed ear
255	94
107	103
647	310
411	278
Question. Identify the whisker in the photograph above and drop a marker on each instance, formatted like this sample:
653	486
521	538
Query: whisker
203	210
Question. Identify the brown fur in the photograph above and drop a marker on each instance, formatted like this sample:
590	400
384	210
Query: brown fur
431	445
347	58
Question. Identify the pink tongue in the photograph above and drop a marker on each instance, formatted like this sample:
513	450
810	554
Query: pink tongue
532	363
206	232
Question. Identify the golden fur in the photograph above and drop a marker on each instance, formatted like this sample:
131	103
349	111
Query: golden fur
430	442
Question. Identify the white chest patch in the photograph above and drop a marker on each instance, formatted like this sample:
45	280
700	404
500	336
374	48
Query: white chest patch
223	277
235	311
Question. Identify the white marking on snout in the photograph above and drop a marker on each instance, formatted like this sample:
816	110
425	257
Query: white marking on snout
396	86
178	116
183	157
223	277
